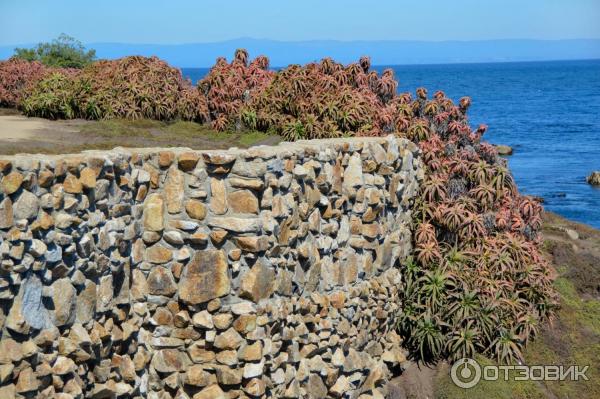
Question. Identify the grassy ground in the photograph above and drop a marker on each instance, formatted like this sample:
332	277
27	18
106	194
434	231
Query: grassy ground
178	133
573	338
56	137
500	389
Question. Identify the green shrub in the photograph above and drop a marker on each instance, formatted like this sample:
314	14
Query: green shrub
63	52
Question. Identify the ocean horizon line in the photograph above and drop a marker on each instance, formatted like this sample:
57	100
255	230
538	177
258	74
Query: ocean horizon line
382	52
440	63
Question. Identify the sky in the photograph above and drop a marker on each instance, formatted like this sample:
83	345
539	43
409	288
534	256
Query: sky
193	21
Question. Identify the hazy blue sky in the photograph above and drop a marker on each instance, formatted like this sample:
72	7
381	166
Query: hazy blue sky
185	21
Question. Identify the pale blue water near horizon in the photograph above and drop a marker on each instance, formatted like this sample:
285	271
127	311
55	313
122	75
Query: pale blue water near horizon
549	112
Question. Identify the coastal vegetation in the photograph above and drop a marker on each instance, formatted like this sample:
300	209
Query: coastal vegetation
573	338
478	282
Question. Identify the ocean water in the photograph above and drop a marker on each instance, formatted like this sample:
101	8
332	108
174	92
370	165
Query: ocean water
549	112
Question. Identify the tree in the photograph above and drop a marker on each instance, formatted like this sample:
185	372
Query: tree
64	51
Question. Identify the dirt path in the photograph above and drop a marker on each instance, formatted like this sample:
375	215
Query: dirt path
416	381
20	134
16	128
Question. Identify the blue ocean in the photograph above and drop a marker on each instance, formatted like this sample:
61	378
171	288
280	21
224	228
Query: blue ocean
549	112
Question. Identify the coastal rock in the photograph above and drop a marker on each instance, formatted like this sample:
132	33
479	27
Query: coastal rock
504	149
594	178
572	234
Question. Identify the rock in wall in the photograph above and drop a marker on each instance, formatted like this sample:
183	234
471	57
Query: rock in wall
267	272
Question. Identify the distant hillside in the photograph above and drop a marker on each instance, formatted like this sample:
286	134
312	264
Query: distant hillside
381	52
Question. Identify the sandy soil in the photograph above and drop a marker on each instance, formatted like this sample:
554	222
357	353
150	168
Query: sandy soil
18	128
20	134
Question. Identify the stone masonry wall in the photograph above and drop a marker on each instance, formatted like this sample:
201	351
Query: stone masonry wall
267	272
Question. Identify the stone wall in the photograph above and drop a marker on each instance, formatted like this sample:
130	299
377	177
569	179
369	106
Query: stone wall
267	272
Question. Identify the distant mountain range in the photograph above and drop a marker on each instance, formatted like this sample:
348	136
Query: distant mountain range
382	52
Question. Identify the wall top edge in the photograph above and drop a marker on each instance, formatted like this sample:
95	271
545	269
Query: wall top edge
261	151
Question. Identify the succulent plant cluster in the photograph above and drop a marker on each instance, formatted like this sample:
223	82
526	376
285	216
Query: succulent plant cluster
134	88
131	87
477	283
229	87
328	99
17	76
